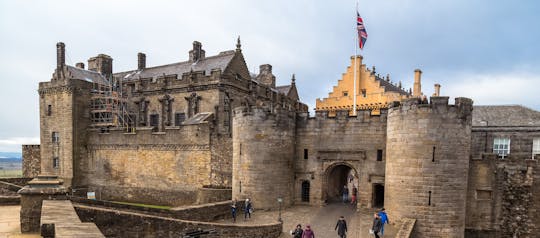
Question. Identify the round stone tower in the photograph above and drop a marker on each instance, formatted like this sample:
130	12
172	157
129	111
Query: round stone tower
263	152
428	150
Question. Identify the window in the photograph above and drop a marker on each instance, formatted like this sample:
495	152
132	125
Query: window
379	155
179	118
501	146
364	93
536	147
345	93
154	120
305	153
56	162
55	137
305	191
49	110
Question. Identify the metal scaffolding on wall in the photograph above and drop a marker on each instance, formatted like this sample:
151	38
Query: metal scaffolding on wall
108	106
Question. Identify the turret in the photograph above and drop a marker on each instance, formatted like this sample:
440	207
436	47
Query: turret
197	53
428	150
417	90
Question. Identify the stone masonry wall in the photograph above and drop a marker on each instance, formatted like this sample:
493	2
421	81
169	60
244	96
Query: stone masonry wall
428	150
149	167
263	150
349	140
31	161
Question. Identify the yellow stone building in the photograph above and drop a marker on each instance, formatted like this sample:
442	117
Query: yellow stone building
373	92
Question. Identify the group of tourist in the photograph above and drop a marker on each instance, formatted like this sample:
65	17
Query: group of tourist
345	194
379	220
248	209
341	228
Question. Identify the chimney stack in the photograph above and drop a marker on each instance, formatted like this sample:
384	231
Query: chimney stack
60	55
437	90
265	75
141	61
102	64
197	53
80	65
417	90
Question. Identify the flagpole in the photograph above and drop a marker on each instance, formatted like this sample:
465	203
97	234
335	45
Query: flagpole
355	56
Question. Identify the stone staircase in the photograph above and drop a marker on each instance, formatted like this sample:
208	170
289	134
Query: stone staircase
406	228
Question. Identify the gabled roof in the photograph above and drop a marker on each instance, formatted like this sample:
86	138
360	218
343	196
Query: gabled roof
505	115
220	61
86	75
285	89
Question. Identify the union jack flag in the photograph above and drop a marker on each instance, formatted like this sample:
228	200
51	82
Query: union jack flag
362	34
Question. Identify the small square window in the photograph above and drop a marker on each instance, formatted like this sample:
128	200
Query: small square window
49	110
364	93
179	118
154	120
501	147
345	93
379	155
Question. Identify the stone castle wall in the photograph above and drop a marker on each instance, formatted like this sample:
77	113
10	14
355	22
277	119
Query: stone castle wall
150	167
353	141
263	149
428	150
31	161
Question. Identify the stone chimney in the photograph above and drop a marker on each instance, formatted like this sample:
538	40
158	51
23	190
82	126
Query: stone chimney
102	64
265	75
437	90
417	89
141	61
80	65
197	53
60	55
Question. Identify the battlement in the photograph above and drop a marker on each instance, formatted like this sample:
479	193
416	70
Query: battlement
463	106
361	115
263	112
30	146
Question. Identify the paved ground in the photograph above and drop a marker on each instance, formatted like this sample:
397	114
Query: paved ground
9	223
321	219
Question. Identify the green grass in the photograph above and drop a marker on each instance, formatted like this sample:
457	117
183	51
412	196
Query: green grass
11	173
144	205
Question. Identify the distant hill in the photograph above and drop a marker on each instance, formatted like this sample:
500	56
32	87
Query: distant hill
11	155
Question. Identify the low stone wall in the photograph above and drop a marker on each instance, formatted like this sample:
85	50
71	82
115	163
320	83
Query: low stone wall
10	200
115	223
17	181
9	186
208	195
203	212
146	195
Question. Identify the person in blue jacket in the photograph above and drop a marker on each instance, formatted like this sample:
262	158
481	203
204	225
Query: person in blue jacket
384	219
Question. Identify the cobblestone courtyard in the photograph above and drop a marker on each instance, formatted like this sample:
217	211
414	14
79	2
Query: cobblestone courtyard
321	219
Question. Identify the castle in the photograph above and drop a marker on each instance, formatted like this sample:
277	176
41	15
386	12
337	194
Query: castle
207	129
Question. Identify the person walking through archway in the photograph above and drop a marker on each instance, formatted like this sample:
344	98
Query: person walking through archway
341	227
345	193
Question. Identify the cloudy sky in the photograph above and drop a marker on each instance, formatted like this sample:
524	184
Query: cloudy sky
486	50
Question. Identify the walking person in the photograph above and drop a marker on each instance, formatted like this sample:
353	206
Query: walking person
353	195
233	211
248	209
297	233
341	227
345	193
308	233
376	228
384	220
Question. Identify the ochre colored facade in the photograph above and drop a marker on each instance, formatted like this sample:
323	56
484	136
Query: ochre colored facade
373	92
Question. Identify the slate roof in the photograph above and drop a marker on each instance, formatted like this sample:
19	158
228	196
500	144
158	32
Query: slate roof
390	87
284	89
505	115
86	75
220	61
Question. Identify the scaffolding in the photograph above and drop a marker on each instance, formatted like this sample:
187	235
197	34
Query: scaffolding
109	106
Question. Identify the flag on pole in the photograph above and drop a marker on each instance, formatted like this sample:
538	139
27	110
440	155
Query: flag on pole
362	34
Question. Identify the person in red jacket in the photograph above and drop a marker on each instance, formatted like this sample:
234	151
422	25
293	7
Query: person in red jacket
308	233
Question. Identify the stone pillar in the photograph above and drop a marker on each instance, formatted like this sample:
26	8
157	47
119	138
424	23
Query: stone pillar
417	89
437	90
43	187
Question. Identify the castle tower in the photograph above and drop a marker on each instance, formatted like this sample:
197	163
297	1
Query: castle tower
263	152
428	150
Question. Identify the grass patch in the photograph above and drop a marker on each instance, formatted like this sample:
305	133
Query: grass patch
10	173
144	205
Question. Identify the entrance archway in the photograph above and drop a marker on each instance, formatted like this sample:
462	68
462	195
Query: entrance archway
338	176
378	195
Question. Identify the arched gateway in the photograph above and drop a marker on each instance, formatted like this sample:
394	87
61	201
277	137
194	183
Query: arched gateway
336	176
